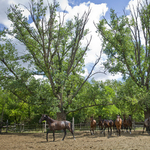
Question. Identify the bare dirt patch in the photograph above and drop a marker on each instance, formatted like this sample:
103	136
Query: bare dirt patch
37	141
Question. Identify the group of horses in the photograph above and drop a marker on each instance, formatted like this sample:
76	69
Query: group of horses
118	123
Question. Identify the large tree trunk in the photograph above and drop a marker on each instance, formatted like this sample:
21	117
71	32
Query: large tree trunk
61	115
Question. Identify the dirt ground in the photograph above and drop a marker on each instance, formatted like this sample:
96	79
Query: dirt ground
37	141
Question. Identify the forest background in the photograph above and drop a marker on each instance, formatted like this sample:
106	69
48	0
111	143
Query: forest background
54	49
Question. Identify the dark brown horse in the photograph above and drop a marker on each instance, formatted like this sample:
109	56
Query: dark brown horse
129	123
125	124
118	123
56	125
92	125
108	124
101	123
146	124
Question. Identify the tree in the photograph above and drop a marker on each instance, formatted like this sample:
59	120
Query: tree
53	48
127	45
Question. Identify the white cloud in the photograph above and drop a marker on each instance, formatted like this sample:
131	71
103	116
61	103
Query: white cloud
97	11
107	76
39	77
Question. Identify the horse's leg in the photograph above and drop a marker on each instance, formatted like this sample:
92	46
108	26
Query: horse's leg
64	134
148	130
90	131
143	128
130	129
104	130
94	129
53	135
122	128
110	132
127	128
70	129
73	134
47	134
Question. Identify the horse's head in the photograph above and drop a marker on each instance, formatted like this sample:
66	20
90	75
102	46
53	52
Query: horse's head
44	117
91	117
130	117
100	118
118	118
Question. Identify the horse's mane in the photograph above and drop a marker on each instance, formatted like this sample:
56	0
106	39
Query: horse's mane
51	120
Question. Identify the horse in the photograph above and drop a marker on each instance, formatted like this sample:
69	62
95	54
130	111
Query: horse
92	125
108	124
57	125
125	124
146	124
129	123
118	123
101	123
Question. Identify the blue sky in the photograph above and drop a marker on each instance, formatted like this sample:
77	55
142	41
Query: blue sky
117	5
99	8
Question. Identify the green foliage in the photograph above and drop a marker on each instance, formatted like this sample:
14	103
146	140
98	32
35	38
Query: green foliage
126	43
124	48
54	49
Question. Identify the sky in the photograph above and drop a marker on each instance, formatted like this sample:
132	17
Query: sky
99	8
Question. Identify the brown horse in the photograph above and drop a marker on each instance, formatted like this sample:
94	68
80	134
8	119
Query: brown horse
129	123
118	123
56	125
146	124
108	124
125	124
92	125
101	123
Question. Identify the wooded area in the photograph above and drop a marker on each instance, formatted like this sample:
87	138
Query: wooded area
52	47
